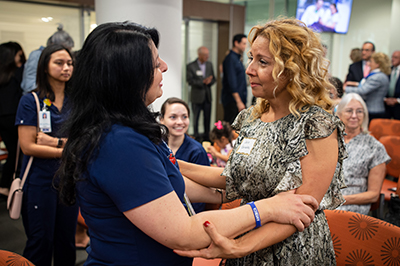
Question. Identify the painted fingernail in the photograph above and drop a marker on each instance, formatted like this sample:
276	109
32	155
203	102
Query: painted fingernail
206	223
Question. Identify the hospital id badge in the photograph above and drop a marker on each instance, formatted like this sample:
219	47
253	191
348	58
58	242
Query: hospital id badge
45	121
246	146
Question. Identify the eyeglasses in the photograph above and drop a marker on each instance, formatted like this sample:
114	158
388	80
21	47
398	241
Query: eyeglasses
366	50
349	112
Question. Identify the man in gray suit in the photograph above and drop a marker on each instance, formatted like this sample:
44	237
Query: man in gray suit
200	76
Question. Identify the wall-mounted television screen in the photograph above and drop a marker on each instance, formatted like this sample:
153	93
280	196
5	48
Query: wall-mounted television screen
325	15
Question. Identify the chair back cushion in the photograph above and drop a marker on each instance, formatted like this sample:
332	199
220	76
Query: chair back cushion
392	146
8	258
384	127
363	240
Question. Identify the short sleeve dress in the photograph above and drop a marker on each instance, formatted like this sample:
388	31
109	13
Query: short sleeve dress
266	161
365	152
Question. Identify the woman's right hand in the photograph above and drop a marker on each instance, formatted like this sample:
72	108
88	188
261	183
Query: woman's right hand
295	209
46	140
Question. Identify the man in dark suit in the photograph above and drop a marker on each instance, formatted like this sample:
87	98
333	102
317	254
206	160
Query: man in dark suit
392	101
359	70
200	76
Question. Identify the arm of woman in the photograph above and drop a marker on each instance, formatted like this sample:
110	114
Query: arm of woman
318	168
375	180
200	193
165	219
28	141
204	175
47	140
217	154
370	85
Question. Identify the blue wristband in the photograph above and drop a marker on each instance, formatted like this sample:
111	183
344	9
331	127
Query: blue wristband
256	214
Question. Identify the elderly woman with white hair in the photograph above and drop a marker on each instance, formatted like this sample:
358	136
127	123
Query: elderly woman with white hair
365	168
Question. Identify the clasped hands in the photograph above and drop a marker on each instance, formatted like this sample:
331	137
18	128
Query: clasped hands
287	208
208	80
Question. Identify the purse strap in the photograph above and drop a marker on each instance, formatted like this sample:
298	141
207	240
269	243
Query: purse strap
28	166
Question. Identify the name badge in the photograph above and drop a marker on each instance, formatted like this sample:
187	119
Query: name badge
199	73
45	121
246	146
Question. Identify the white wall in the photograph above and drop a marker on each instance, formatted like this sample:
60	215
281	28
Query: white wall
371	20
166	16
21	22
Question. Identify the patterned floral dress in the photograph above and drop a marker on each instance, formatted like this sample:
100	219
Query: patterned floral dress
266	161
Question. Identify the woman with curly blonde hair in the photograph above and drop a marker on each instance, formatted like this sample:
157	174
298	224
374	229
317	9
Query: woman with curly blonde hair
288	141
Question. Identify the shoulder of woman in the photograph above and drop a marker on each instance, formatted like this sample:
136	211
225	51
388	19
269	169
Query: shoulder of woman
379	76
320	123
241	117
27	99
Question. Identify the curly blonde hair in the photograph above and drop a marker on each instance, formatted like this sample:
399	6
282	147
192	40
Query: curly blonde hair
383	61
298	55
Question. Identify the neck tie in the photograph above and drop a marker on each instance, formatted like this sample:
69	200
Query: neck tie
392	85
366	70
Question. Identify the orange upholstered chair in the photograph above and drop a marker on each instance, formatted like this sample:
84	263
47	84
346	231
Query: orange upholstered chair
363	240
204	262
384	127
392	146
8	258
81	220
231	205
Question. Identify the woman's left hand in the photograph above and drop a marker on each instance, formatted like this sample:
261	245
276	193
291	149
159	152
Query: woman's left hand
46	140
220	247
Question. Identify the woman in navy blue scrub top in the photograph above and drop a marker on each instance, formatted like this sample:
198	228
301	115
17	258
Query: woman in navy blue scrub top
49	225
121	172
175	115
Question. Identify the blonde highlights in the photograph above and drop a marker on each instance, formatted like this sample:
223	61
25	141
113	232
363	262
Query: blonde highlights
299	59
383	61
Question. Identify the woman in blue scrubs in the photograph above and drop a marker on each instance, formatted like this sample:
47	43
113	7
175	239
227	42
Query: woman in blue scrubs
175	115
49	225
121	172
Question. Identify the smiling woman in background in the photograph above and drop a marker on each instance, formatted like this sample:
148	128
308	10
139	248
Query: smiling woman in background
175	115
365	168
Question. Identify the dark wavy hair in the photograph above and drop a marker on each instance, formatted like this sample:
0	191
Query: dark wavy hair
8	50
113	72
43	85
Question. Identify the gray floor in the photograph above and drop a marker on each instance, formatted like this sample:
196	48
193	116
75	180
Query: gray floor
12	235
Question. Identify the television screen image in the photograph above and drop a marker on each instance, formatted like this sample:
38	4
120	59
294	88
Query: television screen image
325	15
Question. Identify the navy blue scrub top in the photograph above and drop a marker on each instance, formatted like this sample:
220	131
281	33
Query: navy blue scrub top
193	152
42	170
128	171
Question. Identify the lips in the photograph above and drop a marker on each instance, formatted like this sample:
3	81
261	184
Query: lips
253	84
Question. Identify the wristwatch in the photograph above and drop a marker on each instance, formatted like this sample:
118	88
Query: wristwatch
60	143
